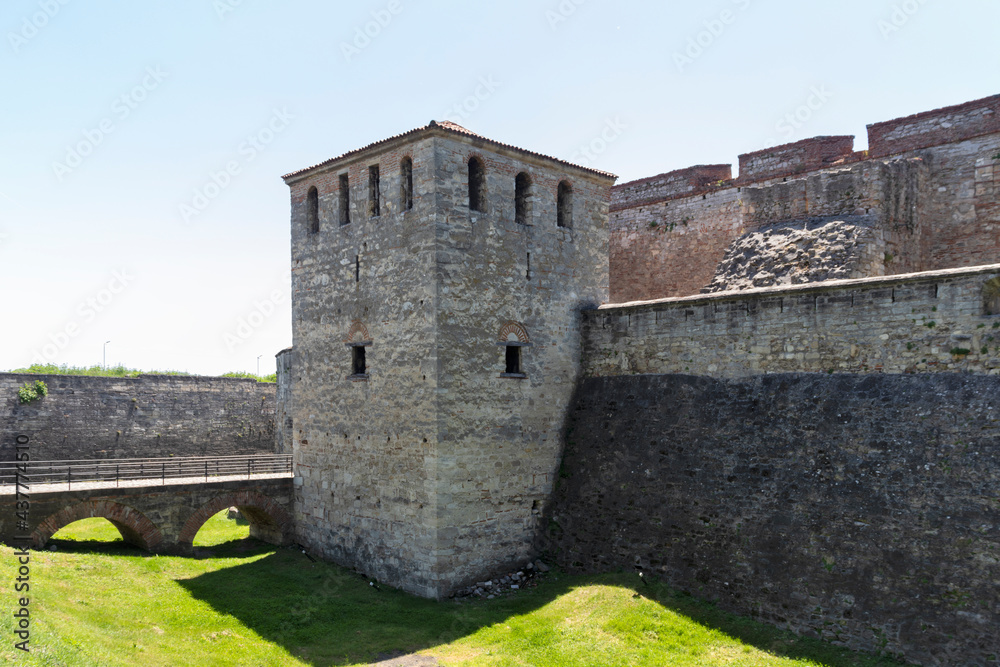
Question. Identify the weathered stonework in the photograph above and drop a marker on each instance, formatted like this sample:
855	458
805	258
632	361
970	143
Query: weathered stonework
155	517
788	450
431	467
145	417
920	323
859	508
928	182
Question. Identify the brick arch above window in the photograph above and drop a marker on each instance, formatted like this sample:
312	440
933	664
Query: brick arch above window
517	329
358	333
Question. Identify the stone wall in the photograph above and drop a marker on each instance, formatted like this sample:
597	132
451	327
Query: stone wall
283	413
930	180
430	471
919	323
861	508
364	446
144	417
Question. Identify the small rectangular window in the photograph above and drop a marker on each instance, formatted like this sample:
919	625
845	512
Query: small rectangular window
513	360
359	365
345	199
373	191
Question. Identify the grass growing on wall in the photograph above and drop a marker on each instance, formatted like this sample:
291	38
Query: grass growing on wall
123	372
95	602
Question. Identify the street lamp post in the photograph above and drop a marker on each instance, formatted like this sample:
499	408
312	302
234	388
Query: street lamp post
258	364
106	354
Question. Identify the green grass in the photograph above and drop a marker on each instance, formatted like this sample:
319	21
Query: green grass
123	372
96	602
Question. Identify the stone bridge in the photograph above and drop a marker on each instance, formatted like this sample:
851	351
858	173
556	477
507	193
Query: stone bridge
161	516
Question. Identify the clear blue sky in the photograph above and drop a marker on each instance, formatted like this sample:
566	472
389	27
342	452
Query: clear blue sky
116	113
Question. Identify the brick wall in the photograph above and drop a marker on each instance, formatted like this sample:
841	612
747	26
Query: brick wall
797	158
149	416
941	213
935	128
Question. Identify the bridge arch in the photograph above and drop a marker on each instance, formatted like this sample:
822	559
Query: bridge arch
134	526
269	521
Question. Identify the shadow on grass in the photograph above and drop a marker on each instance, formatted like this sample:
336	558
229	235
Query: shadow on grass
327	616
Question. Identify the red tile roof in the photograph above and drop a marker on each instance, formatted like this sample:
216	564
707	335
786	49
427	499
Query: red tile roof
447	127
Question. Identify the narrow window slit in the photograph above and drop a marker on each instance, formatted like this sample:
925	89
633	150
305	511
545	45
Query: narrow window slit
476	185
345	199
312	210
373	191
406	183
564	205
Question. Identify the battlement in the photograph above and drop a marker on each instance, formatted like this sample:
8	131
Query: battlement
796	158
934	128
671	185
928	185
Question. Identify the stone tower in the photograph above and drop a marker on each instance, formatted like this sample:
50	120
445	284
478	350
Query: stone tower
438	279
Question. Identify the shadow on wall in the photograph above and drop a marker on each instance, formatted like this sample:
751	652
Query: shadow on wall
855	506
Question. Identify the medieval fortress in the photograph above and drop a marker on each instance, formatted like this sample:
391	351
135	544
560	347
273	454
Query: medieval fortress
477	327
779	391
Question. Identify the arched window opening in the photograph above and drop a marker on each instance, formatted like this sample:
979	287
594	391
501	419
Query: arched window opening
477	185
513	338
522	198
564	205
312	211
406	183
345	199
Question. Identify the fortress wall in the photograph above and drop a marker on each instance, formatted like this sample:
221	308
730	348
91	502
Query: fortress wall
671	247
902	324
934	128
672	185
149	416
943	214
959	205
796	158
858	507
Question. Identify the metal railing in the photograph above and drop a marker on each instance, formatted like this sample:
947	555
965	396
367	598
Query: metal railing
119	470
